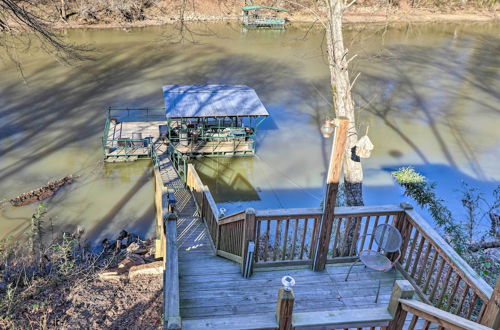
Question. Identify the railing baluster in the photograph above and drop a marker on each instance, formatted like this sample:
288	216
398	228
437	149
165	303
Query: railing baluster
346	236
365	231
314	237
424	263
266	247
438	278
405	233
453	293
337	237
445	286
410	252
352	250
413	322
373	237
472	306
417	257
294	241
304	234
276	239
257	241
462	301
431	269
285	239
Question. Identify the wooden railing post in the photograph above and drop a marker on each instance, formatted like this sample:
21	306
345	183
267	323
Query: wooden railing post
248	237
402	290
171	300
491	316
284	308
332	187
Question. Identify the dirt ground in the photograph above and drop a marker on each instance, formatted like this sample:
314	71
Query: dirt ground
94	304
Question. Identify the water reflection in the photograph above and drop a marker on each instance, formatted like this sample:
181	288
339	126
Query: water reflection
227	183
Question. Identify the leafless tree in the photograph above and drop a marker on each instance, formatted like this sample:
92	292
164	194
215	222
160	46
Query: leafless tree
22	26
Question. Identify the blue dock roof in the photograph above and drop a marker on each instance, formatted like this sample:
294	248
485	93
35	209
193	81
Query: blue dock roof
195	101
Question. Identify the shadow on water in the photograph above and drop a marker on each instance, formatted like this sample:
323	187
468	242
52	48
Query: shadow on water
417	101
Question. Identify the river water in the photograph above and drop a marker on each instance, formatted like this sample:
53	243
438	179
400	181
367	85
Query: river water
429	95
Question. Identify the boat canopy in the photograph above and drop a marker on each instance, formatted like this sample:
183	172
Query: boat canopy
201	101
250	8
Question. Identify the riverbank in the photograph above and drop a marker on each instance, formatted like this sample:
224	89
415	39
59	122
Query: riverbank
356	15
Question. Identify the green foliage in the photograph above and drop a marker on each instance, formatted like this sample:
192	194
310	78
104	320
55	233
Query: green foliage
418	188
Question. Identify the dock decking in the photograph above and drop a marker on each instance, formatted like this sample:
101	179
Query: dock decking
117	147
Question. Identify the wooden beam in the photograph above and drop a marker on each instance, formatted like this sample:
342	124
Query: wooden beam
284	309
342	319
229	256
343	211
332	187
402	290
171	279
248	236
491	316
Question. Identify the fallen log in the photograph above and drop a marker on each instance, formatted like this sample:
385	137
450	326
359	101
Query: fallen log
484	245
42	192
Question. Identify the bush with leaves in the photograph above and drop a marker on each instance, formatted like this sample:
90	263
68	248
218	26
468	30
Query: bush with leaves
418	188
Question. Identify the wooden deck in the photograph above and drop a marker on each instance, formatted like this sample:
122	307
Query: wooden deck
124	130
214	295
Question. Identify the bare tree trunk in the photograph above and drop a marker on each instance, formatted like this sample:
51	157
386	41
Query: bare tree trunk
342	100
63	10
344	106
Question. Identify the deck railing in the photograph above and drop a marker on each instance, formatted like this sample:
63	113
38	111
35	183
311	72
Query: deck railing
431	317
290	237
440	276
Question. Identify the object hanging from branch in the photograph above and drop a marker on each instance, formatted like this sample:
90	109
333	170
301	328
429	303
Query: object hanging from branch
42	192
364	146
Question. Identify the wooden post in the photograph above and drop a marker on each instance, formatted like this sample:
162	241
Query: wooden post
248	236
491	316
402	290
284	309
332	187
171	276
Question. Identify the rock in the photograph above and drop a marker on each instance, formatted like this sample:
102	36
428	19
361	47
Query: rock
132	259
136	248
122	235
132	238
154	268
113	274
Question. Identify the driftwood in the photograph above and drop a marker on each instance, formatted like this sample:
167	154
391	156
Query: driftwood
41	193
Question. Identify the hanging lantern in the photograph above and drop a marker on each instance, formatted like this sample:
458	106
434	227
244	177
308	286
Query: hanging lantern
327	128
364	146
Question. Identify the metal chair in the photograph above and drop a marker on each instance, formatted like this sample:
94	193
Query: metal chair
388	240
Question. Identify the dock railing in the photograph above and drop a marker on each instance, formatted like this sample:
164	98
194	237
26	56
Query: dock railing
287	237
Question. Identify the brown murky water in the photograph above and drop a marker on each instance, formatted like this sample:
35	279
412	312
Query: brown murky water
429	94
